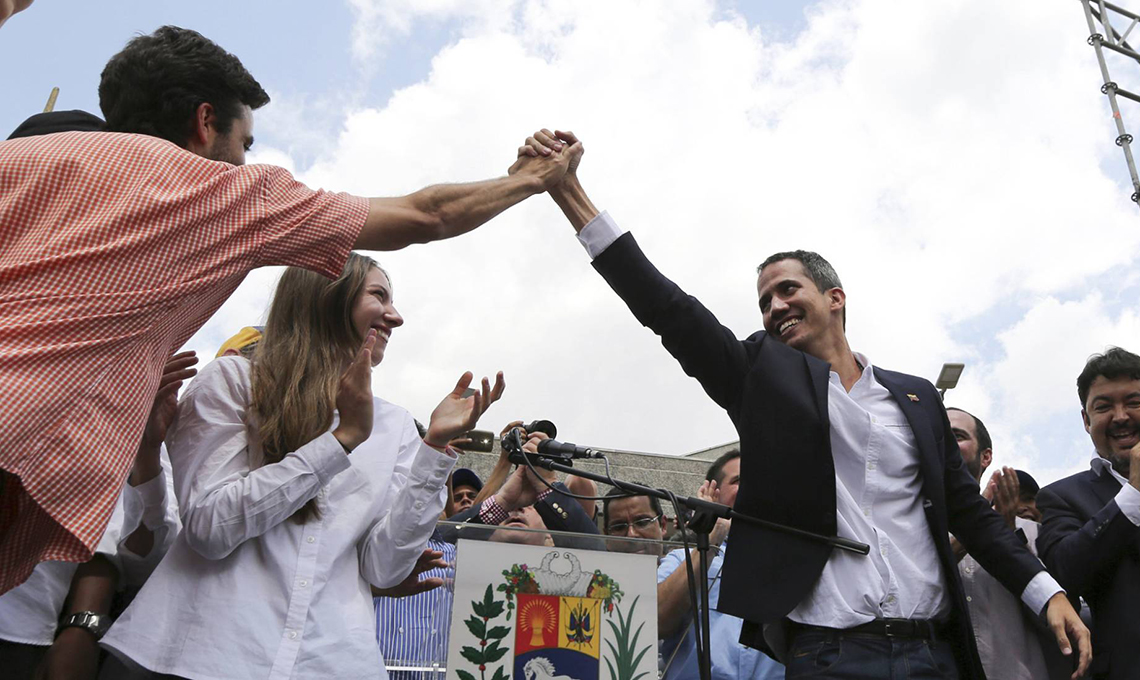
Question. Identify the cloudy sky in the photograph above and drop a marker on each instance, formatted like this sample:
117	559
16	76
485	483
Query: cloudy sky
954	161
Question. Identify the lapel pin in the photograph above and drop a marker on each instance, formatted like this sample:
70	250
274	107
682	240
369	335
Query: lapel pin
912	397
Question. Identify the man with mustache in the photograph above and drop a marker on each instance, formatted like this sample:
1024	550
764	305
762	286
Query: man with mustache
832	445
1090	534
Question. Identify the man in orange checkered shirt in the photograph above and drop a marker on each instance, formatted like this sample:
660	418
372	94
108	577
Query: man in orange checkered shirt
115	248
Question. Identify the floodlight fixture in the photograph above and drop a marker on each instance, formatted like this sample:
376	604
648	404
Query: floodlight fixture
948	377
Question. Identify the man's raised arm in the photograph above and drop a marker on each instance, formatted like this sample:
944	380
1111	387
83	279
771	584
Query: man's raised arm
445	210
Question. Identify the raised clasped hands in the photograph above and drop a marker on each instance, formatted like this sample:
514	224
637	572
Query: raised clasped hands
553	157
457	414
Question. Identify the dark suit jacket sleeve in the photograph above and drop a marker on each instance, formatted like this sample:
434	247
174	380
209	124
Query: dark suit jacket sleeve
1080	553
982	530
706	350
562	513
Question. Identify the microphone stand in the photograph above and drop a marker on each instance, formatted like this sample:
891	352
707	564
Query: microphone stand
705	514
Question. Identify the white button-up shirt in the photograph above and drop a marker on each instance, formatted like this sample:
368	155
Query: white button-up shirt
29	613
1128	499
878	501
246	592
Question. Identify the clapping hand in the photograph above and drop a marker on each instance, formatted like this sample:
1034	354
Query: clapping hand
178	369
1004	491
710	491
457	414
354	397
413	584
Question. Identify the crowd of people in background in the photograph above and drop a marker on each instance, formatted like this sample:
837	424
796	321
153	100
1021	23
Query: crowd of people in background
279	520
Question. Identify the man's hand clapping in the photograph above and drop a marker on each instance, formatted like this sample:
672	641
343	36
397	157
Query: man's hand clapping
1004	491
709	491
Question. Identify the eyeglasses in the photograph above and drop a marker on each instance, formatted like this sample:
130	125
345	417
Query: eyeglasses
639	524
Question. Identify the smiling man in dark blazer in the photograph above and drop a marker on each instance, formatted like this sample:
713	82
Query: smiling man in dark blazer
1090	531
836	446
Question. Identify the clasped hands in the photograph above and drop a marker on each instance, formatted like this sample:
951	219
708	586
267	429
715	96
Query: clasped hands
552	157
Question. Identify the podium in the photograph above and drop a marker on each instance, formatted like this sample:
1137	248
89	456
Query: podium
529	603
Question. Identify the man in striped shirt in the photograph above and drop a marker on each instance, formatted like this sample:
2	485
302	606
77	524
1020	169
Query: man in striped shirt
116	248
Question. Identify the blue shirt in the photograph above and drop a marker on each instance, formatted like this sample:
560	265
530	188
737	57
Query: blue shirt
412	631
730	659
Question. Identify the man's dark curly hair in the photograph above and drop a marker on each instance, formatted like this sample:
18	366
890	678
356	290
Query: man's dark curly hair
156	83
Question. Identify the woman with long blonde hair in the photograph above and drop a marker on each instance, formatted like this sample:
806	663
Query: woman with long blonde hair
298	490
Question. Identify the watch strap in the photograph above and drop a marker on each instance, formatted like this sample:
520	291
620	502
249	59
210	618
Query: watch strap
96	624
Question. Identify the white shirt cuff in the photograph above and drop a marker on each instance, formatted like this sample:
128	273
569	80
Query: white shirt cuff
152	496
327	457
598	234
1129	501
1040	589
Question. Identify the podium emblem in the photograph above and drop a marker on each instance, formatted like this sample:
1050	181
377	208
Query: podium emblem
556	621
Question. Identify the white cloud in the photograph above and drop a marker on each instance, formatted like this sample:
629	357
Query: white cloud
947	159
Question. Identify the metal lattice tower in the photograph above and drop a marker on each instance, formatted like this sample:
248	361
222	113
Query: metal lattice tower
1103	12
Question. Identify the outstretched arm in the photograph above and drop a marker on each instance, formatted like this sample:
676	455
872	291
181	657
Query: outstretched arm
445	210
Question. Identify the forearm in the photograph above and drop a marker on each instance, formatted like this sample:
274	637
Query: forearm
673	603
147	465
218	520
398	537
92	587
575	204
441	211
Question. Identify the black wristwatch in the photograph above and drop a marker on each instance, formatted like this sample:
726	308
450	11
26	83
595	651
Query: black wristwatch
93	623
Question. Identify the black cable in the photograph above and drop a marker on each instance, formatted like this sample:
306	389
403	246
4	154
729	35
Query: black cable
690	572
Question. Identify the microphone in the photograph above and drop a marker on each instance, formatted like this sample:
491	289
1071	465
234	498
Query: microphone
567	449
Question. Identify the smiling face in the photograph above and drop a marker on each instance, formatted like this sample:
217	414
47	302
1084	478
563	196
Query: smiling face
1112	419
796	312
374	309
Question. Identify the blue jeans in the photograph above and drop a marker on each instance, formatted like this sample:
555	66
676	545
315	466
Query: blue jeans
860	656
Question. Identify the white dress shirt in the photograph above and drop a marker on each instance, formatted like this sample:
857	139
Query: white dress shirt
247	592
878	502
1128	499
29	613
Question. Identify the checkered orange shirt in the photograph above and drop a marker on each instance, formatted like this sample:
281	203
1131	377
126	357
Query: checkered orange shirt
114	249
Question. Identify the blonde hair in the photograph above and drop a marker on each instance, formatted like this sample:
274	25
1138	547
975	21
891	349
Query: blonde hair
295	377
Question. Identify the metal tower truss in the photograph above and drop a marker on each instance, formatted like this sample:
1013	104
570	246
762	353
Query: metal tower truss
1109	15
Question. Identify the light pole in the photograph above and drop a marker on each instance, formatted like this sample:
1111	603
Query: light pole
948	378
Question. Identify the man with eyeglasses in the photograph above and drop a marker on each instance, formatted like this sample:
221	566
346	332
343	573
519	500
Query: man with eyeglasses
633	517
730	659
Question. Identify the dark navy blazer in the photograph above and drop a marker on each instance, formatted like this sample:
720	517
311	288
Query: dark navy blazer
776	397
1094	551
